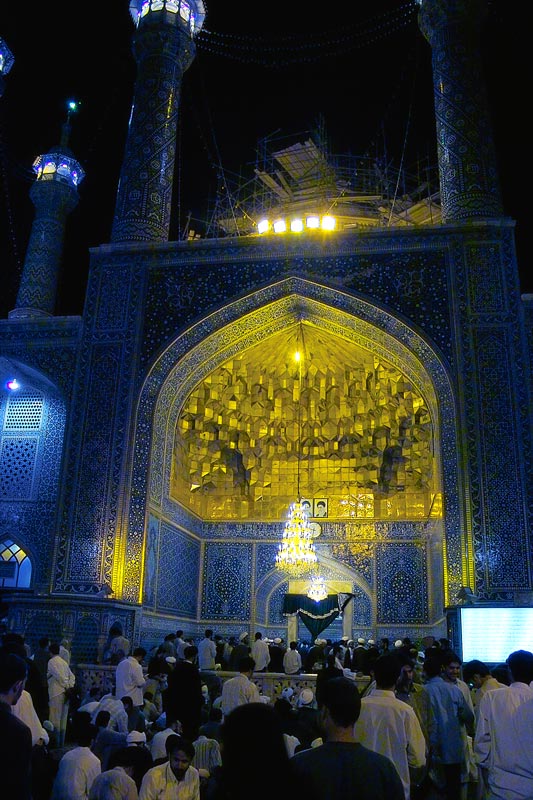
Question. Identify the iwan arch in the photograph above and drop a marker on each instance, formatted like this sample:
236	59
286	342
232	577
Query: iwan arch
375	518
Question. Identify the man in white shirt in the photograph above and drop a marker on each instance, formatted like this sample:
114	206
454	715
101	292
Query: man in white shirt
158	742
502	744
389	726
25	711
79	767
129	677
207	651
64	652
60	678
260	653
292	660
175	778
240	690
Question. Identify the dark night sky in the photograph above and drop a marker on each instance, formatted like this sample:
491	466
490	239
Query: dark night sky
260	68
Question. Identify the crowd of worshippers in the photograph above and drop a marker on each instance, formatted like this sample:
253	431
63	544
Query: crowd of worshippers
421	726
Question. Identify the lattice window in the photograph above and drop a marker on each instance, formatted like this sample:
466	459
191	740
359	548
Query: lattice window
17	465
24	411
15	565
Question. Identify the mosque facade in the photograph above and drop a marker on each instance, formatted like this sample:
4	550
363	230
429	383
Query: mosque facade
154	444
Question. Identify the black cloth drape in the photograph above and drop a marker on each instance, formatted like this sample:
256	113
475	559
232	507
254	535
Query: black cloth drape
315	616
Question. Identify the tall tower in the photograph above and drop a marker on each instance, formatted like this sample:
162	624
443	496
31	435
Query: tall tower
54	195
469	182
6	62
163	48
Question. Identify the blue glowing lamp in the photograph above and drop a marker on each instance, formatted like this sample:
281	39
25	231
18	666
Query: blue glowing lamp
59	164
190	13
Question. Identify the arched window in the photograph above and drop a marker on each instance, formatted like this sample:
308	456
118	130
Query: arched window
15	566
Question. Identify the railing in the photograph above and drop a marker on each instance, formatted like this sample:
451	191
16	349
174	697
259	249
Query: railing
270	684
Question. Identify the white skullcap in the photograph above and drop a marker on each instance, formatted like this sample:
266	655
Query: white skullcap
136	737
306	697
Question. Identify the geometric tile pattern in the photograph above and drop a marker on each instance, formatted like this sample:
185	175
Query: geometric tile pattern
361	608
17	458
402	583
467	160
179	561
275	606
226	582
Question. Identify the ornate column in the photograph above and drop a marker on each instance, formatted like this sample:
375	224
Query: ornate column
54	195
469	183
164	49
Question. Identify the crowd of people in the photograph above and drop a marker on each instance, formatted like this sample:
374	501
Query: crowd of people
421	726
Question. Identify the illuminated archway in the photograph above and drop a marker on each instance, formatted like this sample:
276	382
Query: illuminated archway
361	327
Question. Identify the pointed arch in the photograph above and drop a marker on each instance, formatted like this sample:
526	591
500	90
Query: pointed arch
241	324
331	569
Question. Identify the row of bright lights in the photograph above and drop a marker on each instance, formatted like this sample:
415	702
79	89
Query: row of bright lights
193	14
298	224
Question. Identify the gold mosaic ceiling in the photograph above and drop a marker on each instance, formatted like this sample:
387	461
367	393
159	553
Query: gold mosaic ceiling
342	425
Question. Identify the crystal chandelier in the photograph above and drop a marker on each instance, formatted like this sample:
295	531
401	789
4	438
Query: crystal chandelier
317	590
296	553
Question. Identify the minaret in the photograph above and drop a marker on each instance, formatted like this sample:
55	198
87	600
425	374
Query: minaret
164	48
469	183
54	194
6	62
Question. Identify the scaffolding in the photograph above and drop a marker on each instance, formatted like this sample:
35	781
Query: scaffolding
297	176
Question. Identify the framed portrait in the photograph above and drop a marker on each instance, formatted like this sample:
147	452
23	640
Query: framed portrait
320	507
307	506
